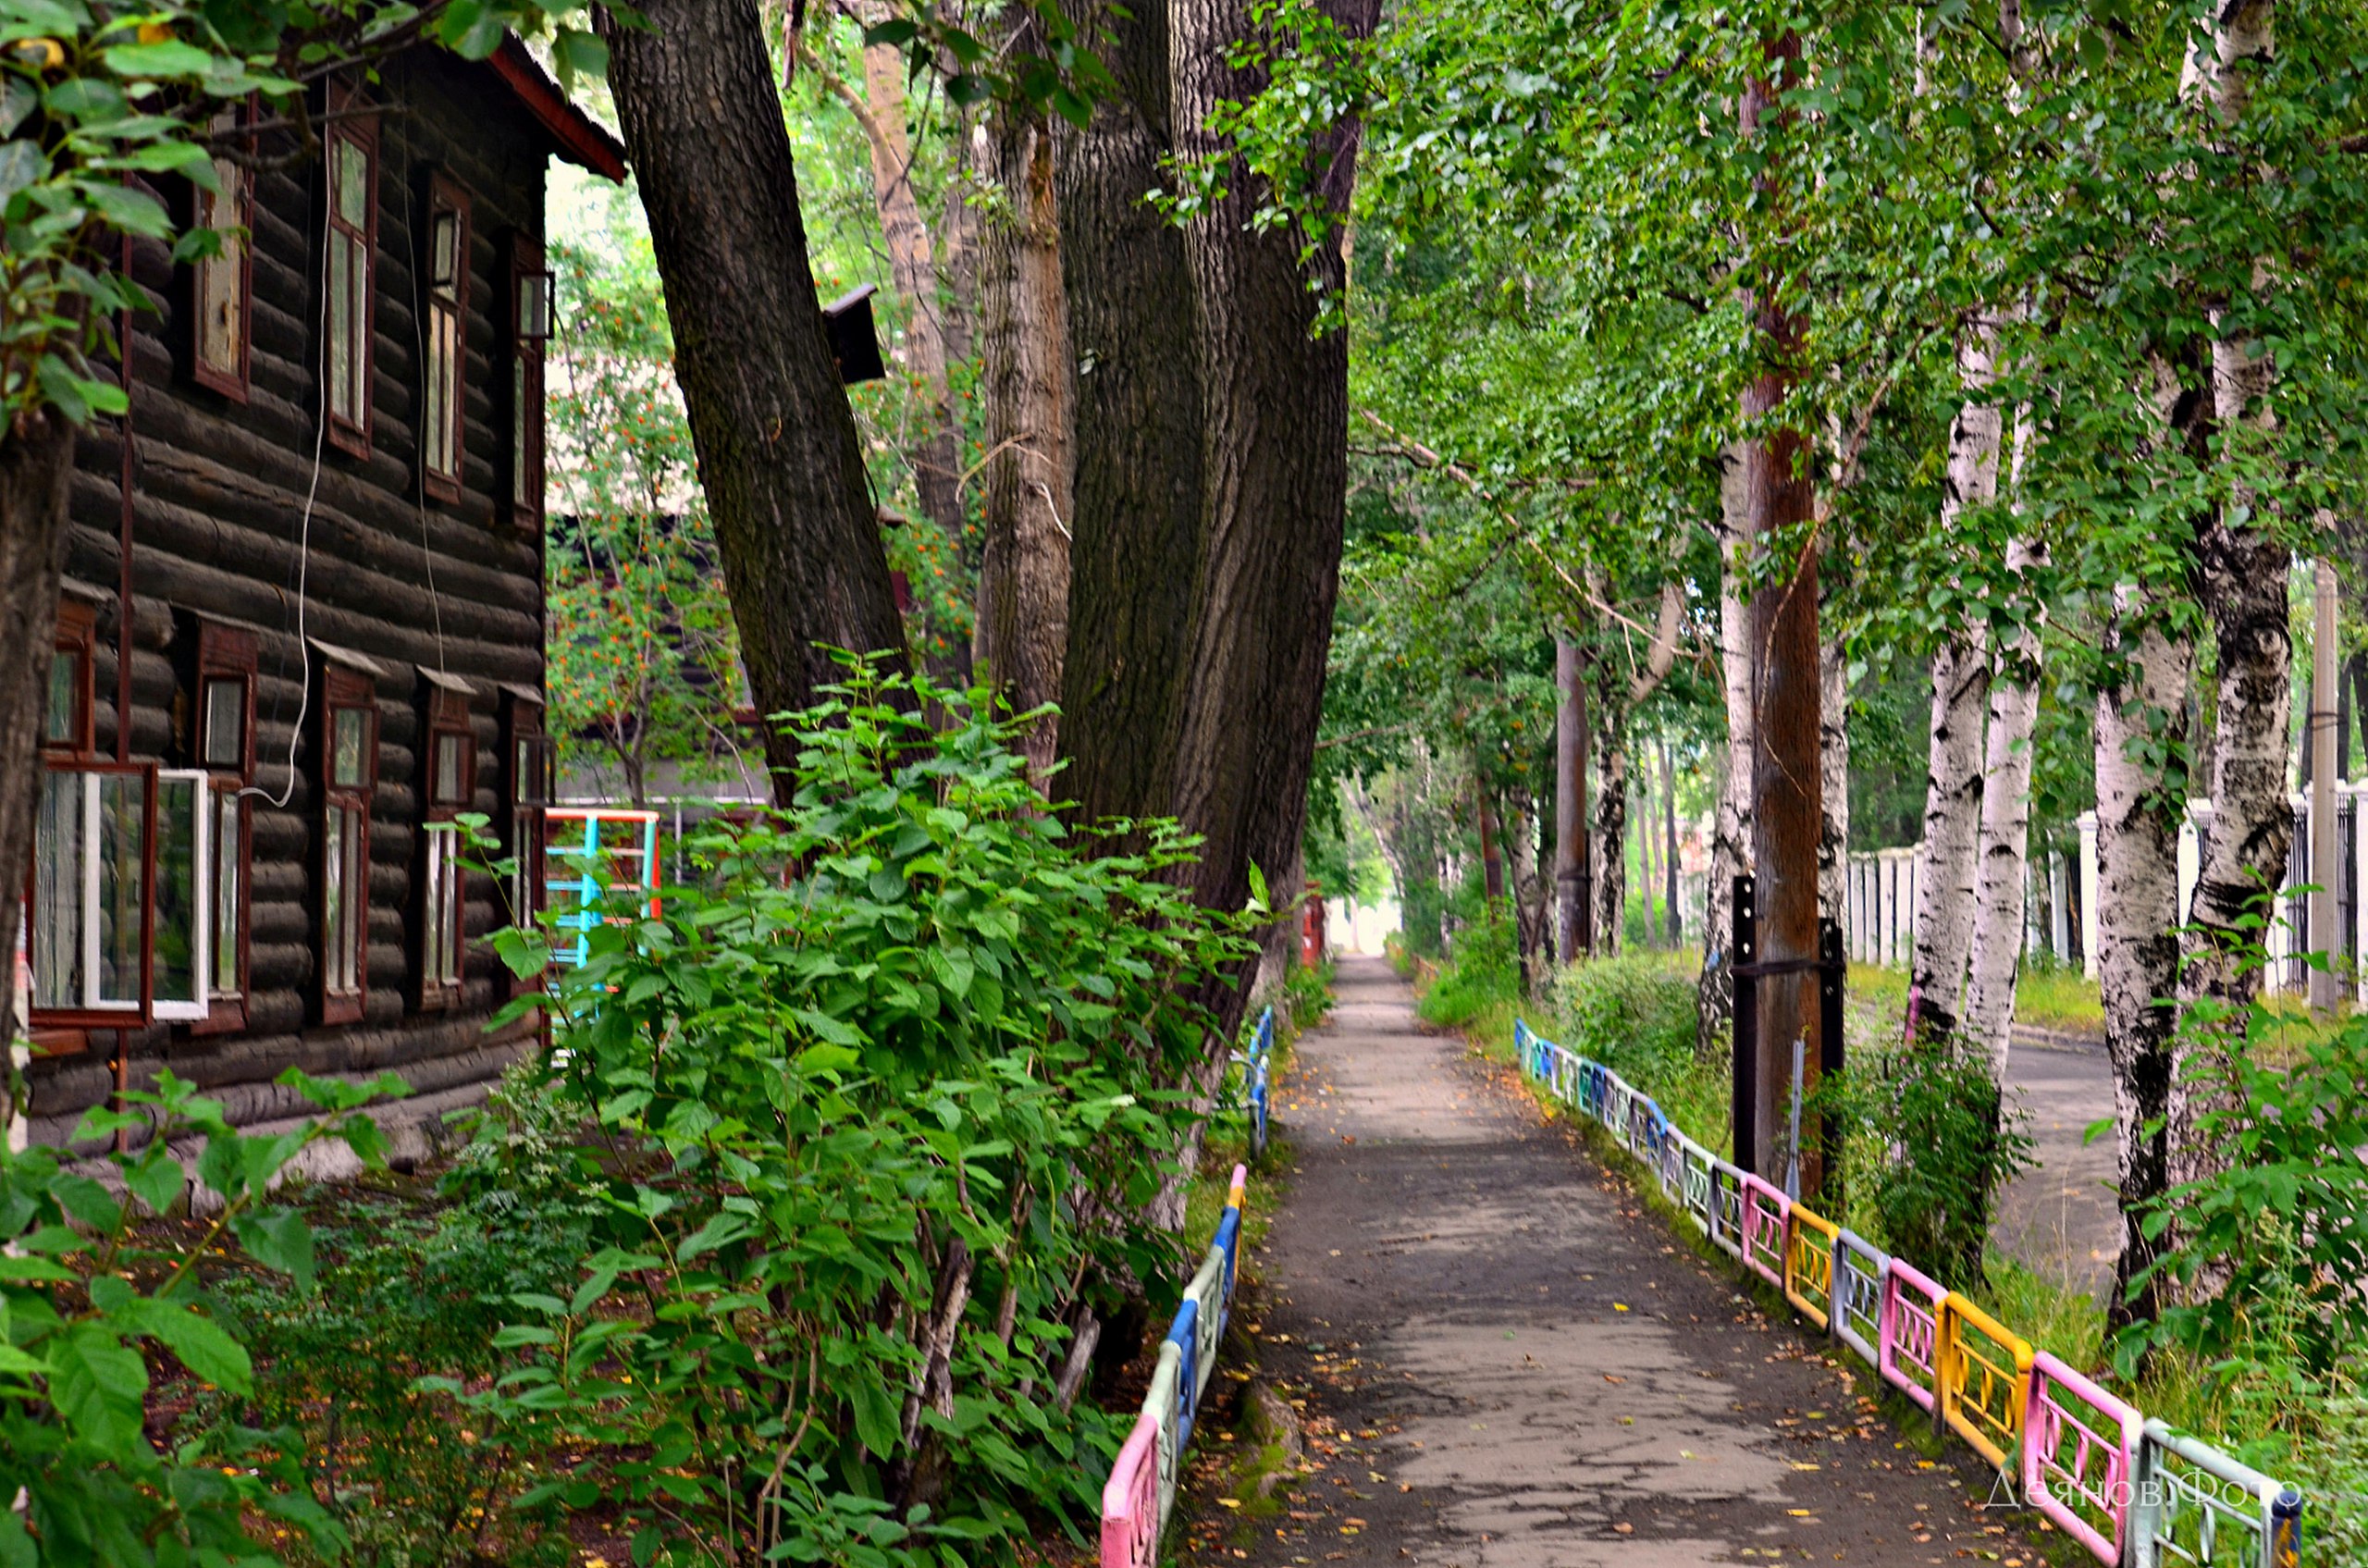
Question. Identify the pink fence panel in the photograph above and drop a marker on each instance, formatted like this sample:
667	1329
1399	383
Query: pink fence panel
1764	1212
2079	1455
1130	1499
1907	1354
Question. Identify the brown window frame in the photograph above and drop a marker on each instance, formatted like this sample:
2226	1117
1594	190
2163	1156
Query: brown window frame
227	653
231	384
77	634
440	311
527	413
448	719
346	690
529	761
360	133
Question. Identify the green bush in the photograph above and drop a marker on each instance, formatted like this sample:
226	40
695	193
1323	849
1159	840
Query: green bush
863	1112
1483	971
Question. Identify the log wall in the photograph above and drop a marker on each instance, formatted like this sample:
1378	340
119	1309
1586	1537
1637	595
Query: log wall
218	530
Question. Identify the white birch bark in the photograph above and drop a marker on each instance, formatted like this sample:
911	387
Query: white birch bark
1833	757
1944	897
2242	570
1996	953
1732	826
1609	861
2142	791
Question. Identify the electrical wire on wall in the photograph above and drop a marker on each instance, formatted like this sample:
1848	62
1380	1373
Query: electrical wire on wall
419	364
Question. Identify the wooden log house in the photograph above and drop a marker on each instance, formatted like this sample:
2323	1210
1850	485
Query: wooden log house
302	629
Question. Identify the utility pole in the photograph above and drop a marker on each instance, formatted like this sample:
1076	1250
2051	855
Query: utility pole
2319	732
1788	773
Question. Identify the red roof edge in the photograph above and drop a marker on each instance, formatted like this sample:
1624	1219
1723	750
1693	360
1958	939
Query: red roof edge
582	140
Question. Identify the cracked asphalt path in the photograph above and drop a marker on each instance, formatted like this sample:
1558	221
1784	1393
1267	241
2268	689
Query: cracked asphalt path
1503	1362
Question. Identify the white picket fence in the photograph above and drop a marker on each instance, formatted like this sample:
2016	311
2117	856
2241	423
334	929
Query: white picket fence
2060	898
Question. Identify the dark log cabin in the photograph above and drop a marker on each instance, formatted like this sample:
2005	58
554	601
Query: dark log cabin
302	636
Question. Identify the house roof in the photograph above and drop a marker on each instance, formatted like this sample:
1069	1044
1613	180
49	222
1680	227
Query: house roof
582	140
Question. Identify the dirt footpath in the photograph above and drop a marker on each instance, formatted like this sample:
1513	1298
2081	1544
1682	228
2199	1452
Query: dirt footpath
1503	1363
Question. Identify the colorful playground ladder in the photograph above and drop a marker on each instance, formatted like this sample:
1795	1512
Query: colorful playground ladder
621	840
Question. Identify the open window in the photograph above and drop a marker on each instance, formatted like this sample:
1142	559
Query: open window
352	173
222	286
530	322
348	775
91	904
449	766
224	750
443	424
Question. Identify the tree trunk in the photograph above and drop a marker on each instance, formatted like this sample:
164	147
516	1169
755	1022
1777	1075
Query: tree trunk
36	475
1492	860
1834	759
2003	858
1135	523
1529	888
1274	442
912	266
1788	782
1732	830
1609	850
1569	801
1669	858
2142	724
1944	896
795	527
1024	573
2241	578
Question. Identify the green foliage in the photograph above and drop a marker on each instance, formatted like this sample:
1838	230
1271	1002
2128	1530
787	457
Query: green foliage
94	1303
1927	1145
1635	1013
1484	973
860	1111
642	660
414	1287
2273	1239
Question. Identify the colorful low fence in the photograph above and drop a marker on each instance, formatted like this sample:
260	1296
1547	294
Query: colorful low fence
2132	1491
1253	1081
1141	1488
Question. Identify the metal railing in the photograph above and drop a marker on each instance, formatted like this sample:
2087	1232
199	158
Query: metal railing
1141	1488
2131	1492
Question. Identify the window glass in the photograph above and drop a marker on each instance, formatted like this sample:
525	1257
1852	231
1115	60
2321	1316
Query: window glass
522	477
56	945
122	831
180	916
353	182
65	695
225	723
443	372
221	295
229	845
441	961
449	758
350	746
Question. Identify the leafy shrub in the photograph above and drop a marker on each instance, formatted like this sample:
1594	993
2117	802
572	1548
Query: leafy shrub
1929	1143
2287	1220
871	1113
414	1290
94	1303
1633	1012
1307	994
1484	971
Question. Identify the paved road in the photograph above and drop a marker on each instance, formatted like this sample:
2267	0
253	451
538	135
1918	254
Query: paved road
2058	1218
1504	1363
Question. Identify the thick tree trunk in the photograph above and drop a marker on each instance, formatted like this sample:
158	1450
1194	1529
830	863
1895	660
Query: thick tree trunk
36	473
1275	437
1944	897
1134	327
1024	573
795	527
1733	830
1569	801
2004	858
2141	721
2241	578
1529	889
1492	859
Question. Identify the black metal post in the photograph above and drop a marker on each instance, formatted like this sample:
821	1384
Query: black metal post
1744	952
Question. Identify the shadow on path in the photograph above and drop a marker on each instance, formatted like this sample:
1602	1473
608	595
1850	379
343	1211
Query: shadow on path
1506	1365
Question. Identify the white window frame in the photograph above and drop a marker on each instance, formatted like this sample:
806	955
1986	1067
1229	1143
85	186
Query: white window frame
201	785
90	1010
